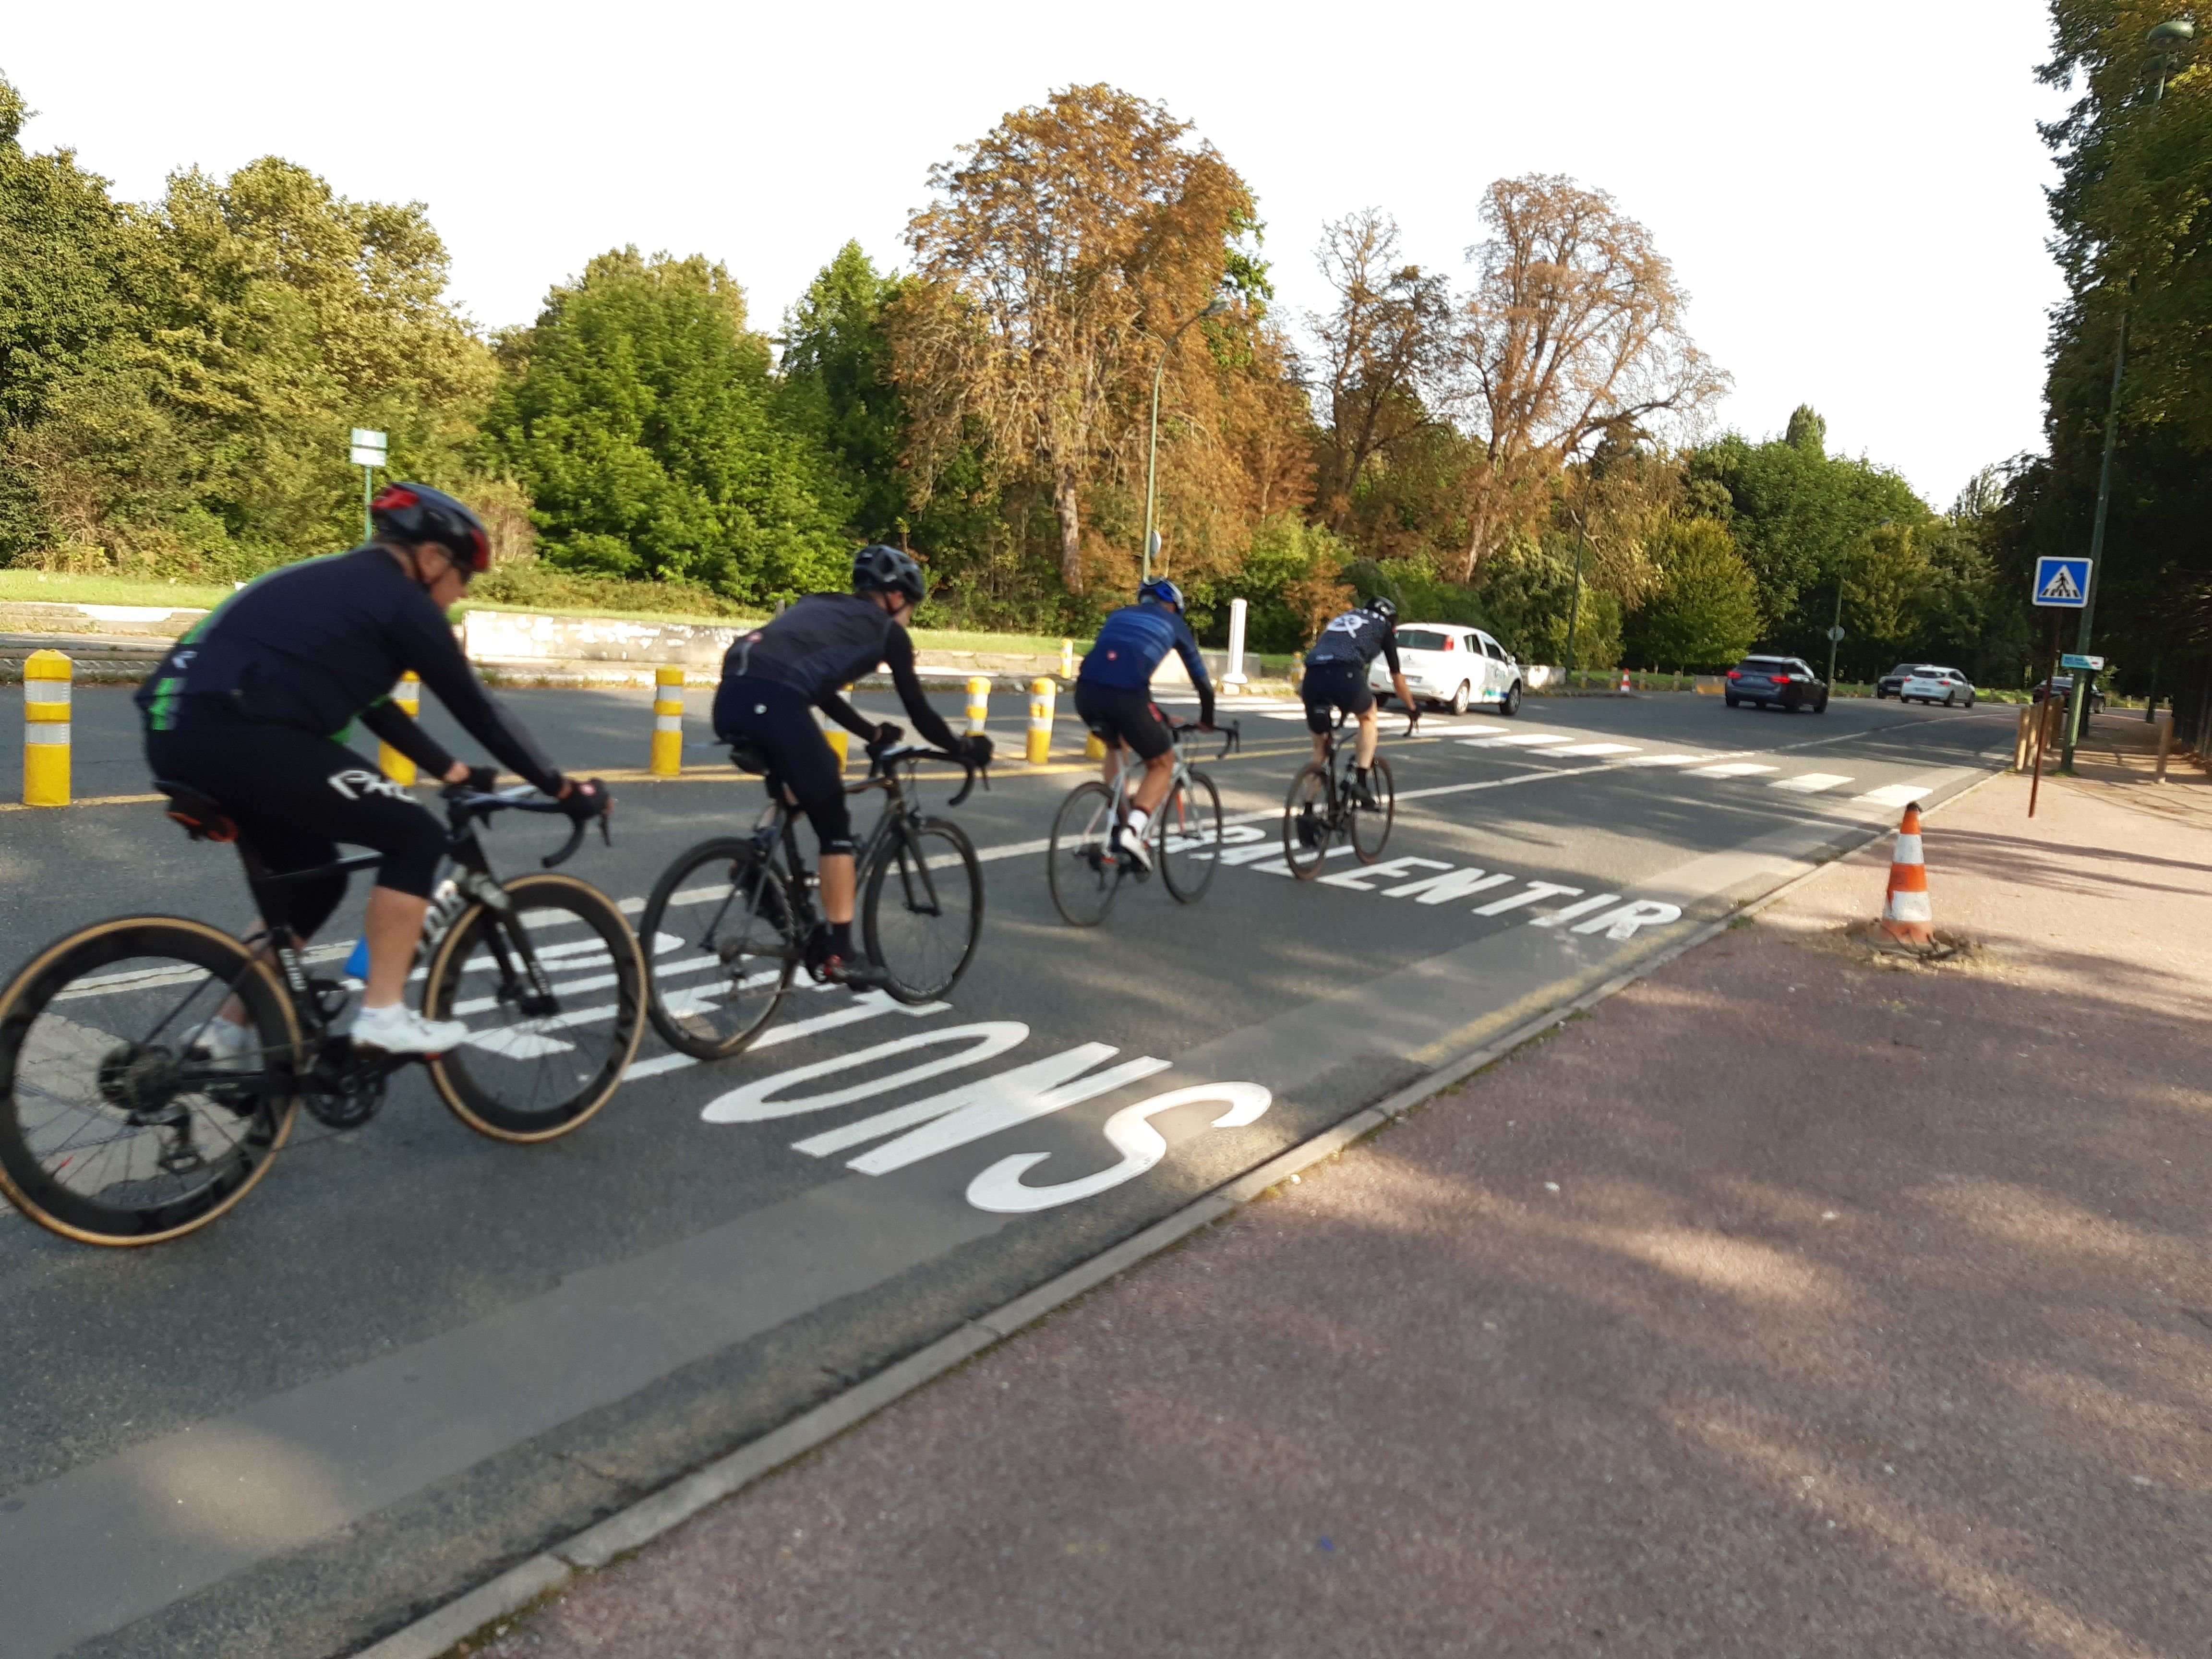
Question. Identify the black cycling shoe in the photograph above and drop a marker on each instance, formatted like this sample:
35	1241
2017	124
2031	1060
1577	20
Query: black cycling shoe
854	975
1362	795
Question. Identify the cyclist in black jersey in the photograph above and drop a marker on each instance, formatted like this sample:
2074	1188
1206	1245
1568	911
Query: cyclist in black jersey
774	678
1336	678
253	706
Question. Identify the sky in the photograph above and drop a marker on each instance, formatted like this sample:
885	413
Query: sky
1853	195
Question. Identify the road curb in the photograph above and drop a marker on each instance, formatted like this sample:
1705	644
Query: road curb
652	1518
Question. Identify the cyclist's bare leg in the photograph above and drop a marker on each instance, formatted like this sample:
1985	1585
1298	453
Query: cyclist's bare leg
394	923
1369	730
1320	748
1153	787
836	870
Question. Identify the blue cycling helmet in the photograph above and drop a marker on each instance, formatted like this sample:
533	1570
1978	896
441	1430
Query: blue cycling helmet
1162	589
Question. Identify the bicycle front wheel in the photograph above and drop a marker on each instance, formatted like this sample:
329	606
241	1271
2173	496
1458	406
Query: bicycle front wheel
921	908
1080	866
553	991
1190	837
1370	825
720	948
1308	821
117	1125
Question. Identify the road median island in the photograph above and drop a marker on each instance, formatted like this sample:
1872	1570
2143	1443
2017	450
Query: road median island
1705	1319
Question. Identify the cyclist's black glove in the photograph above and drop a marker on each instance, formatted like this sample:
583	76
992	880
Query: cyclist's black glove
482	779
886	734
588	800
976	747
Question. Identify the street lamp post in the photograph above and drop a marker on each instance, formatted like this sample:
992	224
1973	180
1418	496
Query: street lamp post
2166	39
1152	459
1574	601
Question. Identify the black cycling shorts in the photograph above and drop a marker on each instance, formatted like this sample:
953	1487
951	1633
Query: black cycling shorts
295	798
1115	715
779	721
1329	686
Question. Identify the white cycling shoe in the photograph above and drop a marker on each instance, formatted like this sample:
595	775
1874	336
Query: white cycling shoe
226	1045
1130	844
398	1030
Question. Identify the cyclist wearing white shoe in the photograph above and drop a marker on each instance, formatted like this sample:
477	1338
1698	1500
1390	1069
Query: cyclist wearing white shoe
1113	698
1336	680
252	708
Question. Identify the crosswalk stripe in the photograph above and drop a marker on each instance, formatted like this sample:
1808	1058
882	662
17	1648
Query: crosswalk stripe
1809	783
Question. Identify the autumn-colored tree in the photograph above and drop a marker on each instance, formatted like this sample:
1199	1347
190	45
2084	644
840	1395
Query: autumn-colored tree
1575	329
1383	348
1061	246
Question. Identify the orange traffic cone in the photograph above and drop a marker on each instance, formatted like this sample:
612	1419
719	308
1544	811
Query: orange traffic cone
1905	915
1624	679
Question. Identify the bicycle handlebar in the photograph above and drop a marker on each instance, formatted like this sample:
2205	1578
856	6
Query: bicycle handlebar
898	754
462	803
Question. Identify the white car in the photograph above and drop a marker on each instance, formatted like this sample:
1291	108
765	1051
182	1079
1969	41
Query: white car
1452	666
1928	684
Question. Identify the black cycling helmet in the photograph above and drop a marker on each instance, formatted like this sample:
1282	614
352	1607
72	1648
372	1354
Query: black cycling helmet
1383	606
416	512
1164	590
887	570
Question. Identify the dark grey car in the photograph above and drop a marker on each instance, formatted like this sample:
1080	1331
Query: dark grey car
1776	683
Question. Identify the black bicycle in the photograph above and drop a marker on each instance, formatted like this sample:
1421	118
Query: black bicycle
1324	804
1081	867
121	1127
728	921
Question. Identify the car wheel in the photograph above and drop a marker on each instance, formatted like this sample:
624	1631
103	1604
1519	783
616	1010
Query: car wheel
1459	700
1733	702
1821	706
1510	704
1970	700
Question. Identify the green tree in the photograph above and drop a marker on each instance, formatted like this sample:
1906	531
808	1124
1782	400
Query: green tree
640	415
1807	431
837	384
1704	613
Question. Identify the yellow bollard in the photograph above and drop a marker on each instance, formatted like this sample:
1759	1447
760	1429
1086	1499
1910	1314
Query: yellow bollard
1042	694
46	676
407	697
979	704
1094	746
667	722
835	735
1067	660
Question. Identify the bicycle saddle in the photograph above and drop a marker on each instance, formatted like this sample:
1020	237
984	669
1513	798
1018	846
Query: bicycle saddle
748	758
202	818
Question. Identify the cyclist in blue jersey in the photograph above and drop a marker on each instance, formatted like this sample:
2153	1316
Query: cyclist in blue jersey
1113	699
253	706
1336	678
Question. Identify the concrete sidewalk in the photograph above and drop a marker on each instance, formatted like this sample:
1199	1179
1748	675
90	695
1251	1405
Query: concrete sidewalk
1794	1302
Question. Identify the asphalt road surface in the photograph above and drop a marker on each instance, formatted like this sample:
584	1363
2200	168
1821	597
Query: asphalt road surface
412	1356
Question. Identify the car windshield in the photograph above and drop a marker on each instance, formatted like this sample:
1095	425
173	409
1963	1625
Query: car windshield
1904	671
1422	639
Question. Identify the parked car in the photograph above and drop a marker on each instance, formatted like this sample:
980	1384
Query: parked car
1451	667
1930	683
1887	685
1776	683
2066	693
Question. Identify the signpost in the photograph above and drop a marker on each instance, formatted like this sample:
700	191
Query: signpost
2061	583
2072	661
370	450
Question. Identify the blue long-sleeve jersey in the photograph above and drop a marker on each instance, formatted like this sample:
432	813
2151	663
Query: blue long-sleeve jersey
1134	641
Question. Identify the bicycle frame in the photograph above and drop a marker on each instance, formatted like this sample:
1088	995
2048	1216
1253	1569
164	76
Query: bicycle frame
1178	772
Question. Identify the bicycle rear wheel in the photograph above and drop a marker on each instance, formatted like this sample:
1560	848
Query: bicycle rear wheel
1308	816
1189	821
720	946
1080	866
921	908
1370	825
546	1048
116	1126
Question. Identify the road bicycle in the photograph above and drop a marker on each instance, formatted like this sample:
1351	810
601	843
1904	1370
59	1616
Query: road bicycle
1323	806
1081	867
121	1128
730	918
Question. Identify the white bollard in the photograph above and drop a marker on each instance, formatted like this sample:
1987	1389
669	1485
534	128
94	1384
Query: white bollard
1237	611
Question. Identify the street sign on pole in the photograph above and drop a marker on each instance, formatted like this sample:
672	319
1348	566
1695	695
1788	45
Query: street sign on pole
1835	637
2062	583
370	450
2071	660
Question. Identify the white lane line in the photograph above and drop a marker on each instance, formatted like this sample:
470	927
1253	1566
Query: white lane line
1809	783
1733	769
1666	760
1576	749
1895	794
1513	739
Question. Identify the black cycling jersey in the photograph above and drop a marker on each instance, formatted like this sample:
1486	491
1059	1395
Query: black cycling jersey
827	641
318	645
1357	636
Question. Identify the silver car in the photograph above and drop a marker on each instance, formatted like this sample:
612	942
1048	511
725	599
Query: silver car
1930	683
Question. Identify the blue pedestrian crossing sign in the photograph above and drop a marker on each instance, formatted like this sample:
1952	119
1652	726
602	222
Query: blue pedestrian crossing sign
2063	583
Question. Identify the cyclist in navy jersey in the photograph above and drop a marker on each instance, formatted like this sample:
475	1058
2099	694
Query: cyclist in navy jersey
1113	699
1336	678
253	706
774	678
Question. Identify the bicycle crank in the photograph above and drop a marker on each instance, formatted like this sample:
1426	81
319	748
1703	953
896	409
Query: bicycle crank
346	1088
